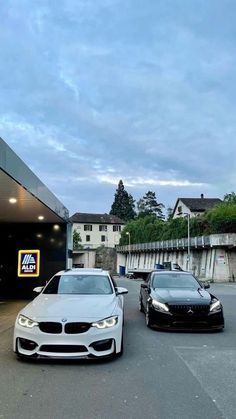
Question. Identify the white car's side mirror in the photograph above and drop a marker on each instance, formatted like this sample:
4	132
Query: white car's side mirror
38	289
121	290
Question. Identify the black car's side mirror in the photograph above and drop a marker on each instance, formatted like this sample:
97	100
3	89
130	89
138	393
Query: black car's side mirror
144	286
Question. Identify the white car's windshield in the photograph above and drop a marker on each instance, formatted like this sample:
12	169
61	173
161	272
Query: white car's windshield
79	284
173	280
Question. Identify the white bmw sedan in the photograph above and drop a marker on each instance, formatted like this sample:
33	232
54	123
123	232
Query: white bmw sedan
79	313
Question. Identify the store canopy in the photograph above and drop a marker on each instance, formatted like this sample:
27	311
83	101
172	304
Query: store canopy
23	197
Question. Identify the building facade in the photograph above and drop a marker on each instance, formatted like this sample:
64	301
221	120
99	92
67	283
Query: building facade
194	206
97	232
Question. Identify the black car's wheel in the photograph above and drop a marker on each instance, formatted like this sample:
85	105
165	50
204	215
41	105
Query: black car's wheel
140	304
148	318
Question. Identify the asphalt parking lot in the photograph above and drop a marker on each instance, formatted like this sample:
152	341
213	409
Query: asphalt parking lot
161	374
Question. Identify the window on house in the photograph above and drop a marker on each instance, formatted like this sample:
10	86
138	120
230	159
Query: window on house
103	238
88	227
116	228
180	209
102	228
87	238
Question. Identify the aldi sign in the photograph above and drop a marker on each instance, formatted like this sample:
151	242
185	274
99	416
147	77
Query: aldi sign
28	262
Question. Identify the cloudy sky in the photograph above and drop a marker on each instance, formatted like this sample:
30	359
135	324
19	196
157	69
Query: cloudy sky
93	91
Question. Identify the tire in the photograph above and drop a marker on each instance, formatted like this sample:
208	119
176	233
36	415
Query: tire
140	305
148	318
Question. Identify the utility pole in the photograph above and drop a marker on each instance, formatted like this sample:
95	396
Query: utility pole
128	234
188	245
188	256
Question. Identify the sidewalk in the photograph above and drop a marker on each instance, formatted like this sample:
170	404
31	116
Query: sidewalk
8	312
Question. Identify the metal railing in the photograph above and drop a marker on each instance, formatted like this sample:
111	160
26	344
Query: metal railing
213	240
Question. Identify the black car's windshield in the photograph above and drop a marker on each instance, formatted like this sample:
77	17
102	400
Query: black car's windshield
79	284
174	280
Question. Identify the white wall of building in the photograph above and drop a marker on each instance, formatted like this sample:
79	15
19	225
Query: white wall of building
108	237
184	210
87	259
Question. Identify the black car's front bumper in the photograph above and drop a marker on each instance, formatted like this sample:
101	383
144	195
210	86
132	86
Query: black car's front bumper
187	320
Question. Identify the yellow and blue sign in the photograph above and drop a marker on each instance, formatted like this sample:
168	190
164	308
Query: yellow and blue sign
28	263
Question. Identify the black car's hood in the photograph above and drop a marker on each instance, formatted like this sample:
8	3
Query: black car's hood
184	296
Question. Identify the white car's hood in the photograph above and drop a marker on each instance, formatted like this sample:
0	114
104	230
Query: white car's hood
71	307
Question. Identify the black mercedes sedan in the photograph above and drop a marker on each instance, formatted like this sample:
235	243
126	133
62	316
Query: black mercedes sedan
177	300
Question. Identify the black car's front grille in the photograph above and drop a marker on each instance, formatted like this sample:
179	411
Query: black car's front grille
63	348
76	327
50	327
184	309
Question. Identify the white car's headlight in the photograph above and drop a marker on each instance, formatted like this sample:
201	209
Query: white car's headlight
160	306
105	323
26	322
216	306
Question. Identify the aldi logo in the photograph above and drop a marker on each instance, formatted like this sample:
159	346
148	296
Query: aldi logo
28	262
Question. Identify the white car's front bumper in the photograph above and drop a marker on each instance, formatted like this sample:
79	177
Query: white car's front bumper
94	342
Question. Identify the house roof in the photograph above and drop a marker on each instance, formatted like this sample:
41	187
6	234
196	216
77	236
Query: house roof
82	217
199	204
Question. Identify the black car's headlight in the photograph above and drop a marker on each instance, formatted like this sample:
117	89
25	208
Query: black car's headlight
26	322
105	323
159	306
215	306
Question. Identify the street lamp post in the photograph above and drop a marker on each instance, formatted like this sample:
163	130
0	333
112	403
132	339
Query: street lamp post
188	245
128	234
188	264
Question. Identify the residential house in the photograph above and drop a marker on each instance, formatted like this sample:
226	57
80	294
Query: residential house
95	230
194	206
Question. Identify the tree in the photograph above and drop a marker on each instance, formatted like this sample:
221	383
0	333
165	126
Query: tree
124	204
142	230
230	198
76	240
222	219
148	205
169	214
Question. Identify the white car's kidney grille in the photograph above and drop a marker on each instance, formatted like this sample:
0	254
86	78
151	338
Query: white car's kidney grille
50	327
76	327
69	328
